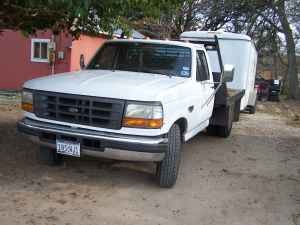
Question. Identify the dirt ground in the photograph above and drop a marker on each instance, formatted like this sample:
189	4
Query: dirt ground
251	178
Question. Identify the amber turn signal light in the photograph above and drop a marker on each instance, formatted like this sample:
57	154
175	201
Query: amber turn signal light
142	123
27	107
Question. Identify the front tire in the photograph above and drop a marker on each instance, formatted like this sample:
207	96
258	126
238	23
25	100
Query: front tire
167	170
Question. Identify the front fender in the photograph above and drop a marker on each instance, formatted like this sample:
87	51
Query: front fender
173	112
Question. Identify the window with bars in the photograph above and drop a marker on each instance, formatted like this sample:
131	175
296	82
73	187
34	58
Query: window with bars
39	50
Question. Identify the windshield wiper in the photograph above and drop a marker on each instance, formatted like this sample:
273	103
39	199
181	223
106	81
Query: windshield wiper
157	72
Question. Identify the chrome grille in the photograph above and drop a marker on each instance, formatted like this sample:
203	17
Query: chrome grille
78	109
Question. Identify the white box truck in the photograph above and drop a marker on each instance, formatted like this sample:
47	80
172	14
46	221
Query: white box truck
237	50
137	100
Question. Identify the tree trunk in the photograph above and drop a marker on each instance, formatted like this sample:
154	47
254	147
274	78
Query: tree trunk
275	67
293	81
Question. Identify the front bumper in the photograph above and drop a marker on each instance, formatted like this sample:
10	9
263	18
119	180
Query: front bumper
96	143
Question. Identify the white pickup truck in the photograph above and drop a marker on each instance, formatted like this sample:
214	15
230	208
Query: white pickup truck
136	100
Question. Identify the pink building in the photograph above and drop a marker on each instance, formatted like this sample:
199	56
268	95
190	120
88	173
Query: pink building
24	58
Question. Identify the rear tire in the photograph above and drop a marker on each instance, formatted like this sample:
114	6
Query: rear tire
50	157
167	170
211	130
224	131
252	109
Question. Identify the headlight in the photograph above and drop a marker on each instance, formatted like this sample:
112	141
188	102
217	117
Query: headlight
143	115
27	101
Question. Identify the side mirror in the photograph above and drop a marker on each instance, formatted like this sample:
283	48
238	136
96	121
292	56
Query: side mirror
228	73
81	61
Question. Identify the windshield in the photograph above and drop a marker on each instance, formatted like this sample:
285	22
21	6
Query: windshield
144	57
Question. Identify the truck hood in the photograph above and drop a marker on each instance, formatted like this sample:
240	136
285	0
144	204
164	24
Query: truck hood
107	83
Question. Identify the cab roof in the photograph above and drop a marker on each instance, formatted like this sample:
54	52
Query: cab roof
153	41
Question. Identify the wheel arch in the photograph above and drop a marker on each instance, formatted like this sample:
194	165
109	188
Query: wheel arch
183	125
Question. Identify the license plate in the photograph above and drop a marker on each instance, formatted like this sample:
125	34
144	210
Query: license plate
68	148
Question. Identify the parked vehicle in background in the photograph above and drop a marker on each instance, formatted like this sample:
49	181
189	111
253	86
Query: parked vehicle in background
137	100
274	90
268	90
263	87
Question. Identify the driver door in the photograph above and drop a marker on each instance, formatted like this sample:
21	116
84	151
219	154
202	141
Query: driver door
205	82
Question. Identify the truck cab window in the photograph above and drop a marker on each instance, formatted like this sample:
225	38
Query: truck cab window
202	67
